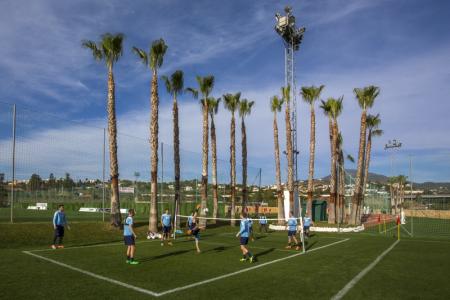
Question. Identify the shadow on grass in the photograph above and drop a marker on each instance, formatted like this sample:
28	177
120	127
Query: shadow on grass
94	244
218	249
260	237
309	245
265	252
169	254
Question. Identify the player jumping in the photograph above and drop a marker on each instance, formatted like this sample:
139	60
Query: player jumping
195	231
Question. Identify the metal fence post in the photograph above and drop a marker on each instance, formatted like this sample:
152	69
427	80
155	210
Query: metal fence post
13	162
103	175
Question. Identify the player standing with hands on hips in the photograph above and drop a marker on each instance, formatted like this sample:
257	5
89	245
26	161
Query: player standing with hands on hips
59	221
129	237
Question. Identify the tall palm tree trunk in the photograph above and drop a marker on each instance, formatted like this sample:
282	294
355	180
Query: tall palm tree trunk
153	222
356	200
244	166
278	171
366	171
233	167
116	218
290	181
312	149
176	158
341	189
214	168
204	191
333	177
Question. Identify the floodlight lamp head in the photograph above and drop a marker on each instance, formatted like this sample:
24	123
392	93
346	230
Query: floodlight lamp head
288	9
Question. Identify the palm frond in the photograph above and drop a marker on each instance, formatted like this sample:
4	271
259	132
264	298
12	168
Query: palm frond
177	80
350	158
158	49
193	91
167	83
276	104
231	101
96	52
377	132
311	93
245	107
205	84
141	54
112	47
286	94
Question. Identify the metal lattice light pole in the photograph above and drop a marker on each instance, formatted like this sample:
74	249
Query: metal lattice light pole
292	37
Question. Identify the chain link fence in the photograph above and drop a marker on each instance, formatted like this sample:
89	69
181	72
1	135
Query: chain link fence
46	160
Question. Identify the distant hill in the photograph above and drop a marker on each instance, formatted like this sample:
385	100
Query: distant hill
373	177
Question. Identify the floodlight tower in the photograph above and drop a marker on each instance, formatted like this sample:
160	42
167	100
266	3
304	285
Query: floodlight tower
292	36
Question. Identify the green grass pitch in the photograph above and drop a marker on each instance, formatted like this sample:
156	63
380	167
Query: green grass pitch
414	269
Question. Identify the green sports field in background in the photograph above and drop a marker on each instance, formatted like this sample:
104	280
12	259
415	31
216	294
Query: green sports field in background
92	266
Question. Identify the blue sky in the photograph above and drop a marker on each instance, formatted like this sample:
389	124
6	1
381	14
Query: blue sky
401	46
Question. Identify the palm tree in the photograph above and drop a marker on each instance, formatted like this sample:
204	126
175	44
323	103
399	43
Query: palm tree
366	97
231	103
335	109
205	85
245	109
310	95
154	59
286	94
174	86
276	104
372	121
326	107
213	107
109	49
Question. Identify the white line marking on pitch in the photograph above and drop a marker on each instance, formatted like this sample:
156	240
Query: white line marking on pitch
244	270
129	286
155	294
361	274
92	246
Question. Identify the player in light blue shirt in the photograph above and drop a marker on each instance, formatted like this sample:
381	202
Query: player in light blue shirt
129	237
244	233
292	231
166	223
59	222
262	223
250	228
307	222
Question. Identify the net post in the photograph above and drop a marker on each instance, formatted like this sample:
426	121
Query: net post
13	162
